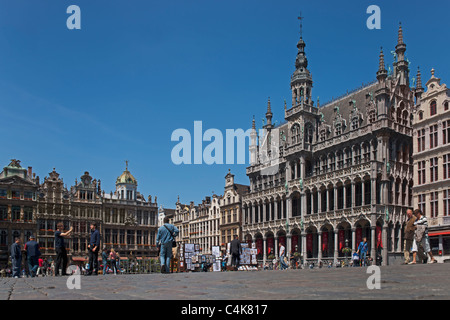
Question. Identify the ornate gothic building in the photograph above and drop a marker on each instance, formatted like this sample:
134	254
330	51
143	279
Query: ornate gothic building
126	220
340	172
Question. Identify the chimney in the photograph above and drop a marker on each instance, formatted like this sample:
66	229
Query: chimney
30	172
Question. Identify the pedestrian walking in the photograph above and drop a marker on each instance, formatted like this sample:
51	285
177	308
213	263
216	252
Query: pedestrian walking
282	252
236	251
104	260
409	235
41	264
165	238
33	253
113	260
421	234
363	248
118	265
16	258
93	247
60	248
45	267
224	259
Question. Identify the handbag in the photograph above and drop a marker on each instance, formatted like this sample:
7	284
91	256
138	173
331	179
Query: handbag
174	242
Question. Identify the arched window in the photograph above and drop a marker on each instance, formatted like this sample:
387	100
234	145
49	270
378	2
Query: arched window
420	115
433	108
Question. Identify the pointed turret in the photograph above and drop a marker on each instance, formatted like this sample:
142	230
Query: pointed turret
402	66
253	143
419	89
382	72
269	115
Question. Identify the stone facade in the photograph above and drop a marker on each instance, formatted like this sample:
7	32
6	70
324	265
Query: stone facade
231	210
18	205
343	169
127	222
198	224
431	140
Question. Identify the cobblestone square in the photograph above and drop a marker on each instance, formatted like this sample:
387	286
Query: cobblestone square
403	282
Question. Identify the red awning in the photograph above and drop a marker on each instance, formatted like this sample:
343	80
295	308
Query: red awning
439	233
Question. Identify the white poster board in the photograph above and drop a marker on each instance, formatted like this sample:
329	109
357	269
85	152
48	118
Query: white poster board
216	251
216	266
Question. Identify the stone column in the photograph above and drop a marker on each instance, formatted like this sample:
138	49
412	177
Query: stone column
319	201
275	240
265	250
320	246
373	191
288	208
385	249
335	198
374	243
253	213
336	244
288	245
303	239
264	205
354	245
275	215
282	207
352	192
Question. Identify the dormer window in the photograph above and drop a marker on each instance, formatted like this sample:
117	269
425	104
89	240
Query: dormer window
355	123
372	116
446	106
338	129
420	115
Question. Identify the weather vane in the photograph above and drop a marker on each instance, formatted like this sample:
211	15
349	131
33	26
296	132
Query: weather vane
301	24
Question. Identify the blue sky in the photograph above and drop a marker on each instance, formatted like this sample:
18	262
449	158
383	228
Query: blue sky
89	99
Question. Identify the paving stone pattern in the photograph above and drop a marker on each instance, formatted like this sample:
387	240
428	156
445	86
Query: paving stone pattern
397	282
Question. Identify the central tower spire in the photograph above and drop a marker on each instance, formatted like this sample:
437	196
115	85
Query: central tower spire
301	80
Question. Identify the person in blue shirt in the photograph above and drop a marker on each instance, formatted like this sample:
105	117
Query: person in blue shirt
166	235
94	245
16	258
362	251
33	253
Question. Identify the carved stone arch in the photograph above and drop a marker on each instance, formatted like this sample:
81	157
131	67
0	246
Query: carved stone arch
343	221
311	226
269	233
326	223
362	218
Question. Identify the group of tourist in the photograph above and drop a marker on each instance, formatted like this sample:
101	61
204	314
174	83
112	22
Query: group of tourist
416	238
416	241
36	265
110	261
